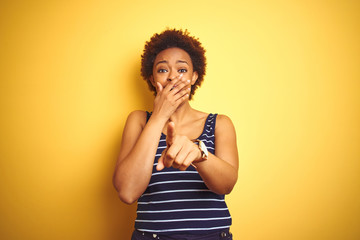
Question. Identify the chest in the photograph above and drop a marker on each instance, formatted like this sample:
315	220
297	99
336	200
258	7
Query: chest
192	129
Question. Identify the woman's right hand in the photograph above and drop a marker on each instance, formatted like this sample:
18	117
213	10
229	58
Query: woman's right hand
169	98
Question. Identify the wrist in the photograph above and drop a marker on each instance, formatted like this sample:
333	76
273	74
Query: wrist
202	151
158	119
156	122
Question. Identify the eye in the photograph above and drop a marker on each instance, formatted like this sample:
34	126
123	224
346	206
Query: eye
161	70
183	70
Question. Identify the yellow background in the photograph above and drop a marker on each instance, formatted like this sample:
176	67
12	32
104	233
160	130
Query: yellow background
286	72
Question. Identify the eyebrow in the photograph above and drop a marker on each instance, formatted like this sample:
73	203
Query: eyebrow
178	61
182	61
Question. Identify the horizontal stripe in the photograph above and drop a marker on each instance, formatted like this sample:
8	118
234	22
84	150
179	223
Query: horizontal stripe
184	229
204	134
185	210
205	140
178	181
175	172
184	219
179	201
173	191
182	200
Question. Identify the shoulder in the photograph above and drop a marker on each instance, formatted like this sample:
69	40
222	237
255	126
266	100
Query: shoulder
224	124
223	120
137	117
137	114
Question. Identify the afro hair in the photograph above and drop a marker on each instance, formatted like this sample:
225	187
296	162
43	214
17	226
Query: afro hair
168	39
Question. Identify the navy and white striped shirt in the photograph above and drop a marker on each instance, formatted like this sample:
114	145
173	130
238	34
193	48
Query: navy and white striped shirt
178	202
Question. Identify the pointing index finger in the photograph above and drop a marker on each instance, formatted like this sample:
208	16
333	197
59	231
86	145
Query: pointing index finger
170	133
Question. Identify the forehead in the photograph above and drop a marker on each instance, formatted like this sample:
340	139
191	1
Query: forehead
172	55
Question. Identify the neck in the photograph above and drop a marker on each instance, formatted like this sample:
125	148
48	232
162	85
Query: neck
181	112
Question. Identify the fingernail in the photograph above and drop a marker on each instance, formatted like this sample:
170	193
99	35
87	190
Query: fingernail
188	81
180	76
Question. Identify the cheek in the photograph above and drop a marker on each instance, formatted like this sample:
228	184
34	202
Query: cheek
162	81
156	77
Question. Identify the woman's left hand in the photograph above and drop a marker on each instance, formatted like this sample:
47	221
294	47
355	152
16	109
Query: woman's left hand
180	152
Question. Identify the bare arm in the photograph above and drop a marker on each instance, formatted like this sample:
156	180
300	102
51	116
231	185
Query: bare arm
134	166
220	171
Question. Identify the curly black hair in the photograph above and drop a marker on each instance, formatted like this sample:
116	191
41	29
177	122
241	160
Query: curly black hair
168	39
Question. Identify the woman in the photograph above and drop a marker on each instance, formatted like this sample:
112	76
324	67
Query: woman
177	162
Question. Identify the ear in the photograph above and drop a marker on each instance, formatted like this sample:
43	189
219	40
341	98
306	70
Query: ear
194	78
151	78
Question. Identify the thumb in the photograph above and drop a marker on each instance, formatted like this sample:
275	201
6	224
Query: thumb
170	133
160	166
159	88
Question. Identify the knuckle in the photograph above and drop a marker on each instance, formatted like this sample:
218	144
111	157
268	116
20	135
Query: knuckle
167	163
178	161
170	156
185	164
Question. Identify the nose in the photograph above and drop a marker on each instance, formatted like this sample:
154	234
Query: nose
172	75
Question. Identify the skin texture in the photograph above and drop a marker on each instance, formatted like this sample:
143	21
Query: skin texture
172	114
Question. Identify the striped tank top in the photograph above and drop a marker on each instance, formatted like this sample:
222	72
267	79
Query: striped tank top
178	202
